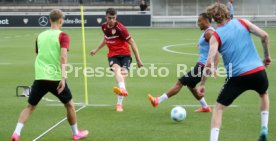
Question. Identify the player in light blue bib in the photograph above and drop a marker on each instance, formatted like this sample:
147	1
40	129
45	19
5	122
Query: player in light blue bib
245	69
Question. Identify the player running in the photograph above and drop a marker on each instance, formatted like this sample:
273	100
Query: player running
194	76
117	39
244	67
50	75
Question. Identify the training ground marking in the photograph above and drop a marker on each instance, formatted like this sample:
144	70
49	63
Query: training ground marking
166	48
81	104
3	63
44	133
233	106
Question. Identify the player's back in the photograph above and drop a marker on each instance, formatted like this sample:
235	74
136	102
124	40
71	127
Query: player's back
48	41
47	64
237	48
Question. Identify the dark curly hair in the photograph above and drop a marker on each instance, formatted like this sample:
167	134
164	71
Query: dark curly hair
206	16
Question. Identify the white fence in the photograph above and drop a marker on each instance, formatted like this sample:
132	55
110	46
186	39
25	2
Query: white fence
184	13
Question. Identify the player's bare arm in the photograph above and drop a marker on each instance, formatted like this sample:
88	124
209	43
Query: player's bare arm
213	51
264	38
101	45
208	36
63	62
136	52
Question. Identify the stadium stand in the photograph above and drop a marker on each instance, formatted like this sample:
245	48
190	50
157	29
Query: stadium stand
165	13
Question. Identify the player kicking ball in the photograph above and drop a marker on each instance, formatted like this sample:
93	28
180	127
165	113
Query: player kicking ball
244	67
117	39
192	78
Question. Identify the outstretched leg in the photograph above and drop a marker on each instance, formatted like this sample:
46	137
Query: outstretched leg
23	117
171	92
121	91
204	106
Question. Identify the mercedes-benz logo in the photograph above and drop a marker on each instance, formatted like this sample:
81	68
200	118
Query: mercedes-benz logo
43	21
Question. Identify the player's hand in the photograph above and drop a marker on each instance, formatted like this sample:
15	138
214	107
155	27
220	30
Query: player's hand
267	61
140	64
201	90
61	86
93	52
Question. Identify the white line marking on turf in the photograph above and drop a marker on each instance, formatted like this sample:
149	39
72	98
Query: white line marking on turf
234	106
166	48
81	104
5	63
55	125
51	100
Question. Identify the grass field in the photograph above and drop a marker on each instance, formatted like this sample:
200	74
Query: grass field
139	121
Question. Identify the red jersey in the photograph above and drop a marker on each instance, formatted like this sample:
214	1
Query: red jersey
64	41
116	39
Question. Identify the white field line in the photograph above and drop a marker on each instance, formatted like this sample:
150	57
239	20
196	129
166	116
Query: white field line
44	133
5	63
166	48
81	104
51	100
233	106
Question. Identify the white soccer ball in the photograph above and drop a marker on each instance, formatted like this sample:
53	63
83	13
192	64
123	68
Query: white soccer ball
178	113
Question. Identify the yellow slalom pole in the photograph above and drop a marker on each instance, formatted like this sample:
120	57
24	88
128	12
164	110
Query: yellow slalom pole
84	54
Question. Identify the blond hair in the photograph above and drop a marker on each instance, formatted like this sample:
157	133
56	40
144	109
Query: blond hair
219	12
55	15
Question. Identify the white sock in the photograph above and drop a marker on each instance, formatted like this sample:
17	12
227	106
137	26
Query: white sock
18	128
122	85
203	103
120	100
214	134
264	117
162	98
75	129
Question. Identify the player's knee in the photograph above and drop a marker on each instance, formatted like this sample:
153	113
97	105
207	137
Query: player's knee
69	104
31	107
124	72
219	107
178	85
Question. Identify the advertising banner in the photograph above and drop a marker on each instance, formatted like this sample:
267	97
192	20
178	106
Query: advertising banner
142	20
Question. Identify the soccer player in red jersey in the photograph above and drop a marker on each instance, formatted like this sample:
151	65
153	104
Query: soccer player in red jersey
117	39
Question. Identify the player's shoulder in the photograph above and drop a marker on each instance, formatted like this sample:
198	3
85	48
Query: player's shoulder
120	26
63	34
104	25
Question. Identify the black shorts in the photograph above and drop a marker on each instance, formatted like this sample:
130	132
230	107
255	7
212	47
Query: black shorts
192	77
122	60
41	87
234	86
